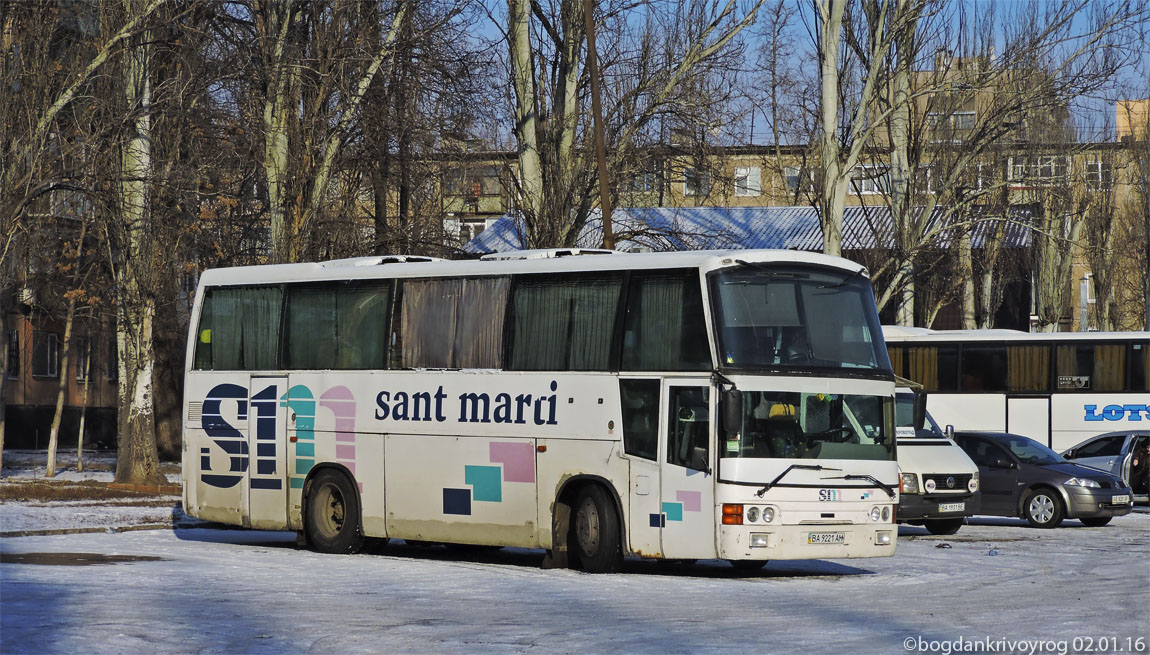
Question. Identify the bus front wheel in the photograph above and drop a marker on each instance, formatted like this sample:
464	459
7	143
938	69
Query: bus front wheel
332	516
595	532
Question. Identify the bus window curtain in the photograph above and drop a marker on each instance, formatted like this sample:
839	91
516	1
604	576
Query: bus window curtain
479	323
923	366
428	322
244	324
563	323
1028	368
1109	367
657	329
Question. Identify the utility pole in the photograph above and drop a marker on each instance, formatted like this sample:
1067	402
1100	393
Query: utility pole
597	110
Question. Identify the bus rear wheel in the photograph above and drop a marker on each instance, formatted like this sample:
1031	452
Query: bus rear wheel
595	532
331	519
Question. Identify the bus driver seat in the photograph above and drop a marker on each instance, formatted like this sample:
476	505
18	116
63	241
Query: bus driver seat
783	436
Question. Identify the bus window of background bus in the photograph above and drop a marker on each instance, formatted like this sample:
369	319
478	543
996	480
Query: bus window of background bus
339	325
1139	367
452	322
1029	368
983	368
1090	367
239	329
563	322
787	316
664	328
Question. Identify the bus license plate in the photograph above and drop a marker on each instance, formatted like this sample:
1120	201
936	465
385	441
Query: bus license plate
951	507
1120	500
826	537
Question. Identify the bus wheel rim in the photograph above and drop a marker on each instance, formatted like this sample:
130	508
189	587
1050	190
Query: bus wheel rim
331	510
587	527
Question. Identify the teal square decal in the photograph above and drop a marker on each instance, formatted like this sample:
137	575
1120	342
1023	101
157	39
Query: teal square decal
674	511
485	481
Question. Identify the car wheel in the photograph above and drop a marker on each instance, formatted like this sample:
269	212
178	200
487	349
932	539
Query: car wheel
1043	509
595	532
332	517
943	526
1096	522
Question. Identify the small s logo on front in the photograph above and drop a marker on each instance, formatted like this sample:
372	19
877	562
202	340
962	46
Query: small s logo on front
828	495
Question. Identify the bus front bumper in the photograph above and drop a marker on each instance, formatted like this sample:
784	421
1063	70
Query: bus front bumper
813	541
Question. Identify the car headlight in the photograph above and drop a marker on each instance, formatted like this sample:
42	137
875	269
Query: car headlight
1083	482
909	483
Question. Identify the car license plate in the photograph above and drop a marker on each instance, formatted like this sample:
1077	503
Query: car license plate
826	537
951	507
1120	500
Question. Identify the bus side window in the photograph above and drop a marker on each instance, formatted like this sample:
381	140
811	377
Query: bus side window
689	427
640	403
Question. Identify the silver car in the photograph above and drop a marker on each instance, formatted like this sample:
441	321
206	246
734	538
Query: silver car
1113	452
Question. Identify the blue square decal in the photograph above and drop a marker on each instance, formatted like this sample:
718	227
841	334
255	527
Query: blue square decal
658	521
457	501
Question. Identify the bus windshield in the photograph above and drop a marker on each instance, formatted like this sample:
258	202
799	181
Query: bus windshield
796	425
788	317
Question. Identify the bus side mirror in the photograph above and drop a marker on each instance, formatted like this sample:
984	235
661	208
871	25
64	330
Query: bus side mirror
949	432
919	409
698	460
732	411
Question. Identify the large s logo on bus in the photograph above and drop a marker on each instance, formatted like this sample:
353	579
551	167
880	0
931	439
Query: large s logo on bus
1117	412
262	406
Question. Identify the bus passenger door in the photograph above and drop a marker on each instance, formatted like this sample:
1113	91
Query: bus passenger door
1029	416
267	448
688	503
639	401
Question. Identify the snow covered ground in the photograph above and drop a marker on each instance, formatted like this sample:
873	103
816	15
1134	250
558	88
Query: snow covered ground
233	591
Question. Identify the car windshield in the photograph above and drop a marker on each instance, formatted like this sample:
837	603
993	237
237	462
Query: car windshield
796	317
1030	451
904	420
794	425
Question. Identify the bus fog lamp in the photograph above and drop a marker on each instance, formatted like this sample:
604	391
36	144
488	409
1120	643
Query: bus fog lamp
752	514
882	538
759	539
875	513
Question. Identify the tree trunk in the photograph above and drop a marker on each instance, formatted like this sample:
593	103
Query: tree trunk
832	200
137	459
966	270
277	111
61	392
83	407
530	189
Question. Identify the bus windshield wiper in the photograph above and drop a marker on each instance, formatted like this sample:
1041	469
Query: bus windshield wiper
844	280
805	467
869	478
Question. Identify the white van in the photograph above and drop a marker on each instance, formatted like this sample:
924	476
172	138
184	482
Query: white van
938	483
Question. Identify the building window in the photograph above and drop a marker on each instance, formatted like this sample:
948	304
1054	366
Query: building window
793	175
963	121
13	354
83	358
641	182
695	182
112	363
45	355
1099	175
748	181
1038	168
870	179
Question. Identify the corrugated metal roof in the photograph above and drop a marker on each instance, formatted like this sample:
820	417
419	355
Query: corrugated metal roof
708	228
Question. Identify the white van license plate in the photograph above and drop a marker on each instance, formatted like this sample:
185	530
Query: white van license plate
951	507
1120	500
826	537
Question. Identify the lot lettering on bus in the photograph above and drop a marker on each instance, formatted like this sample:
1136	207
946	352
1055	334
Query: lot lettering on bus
1117	412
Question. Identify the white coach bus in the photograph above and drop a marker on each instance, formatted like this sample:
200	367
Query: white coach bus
531	399
1057	388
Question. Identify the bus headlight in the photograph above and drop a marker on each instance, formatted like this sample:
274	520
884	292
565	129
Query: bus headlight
886	513
908	483
768	514
875	513
752	514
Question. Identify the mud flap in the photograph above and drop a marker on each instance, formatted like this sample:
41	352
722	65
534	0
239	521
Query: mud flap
556	557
